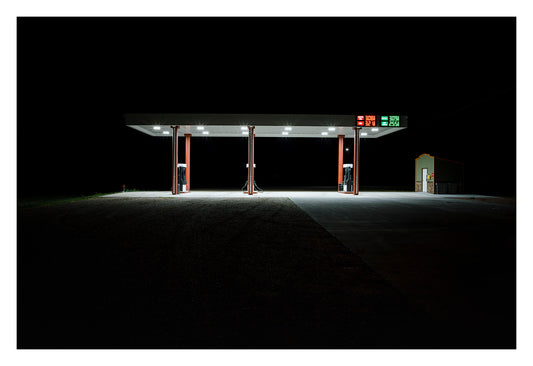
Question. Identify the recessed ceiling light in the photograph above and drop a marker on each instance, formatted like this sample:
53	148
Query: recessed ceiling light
331	129
364	133
347	149
199	127
288	128
324	133
284	133
166	133
375	129
157	127
205	132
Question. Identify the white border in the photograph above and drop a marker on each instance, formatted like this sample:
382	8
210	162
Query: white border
10	9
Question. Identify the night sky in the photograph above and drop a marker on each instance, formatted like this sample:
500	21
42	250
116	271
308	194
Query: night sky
454	77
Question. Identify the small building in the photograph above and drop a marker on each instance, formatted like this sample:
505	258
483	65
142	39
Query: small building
437	175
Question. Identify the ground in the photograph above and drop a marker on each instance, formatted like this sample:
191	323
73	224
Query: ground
276	270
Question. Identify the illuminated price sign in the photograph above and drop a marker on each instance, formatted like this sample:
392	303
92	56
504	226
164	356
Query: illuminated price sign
394	121
370	121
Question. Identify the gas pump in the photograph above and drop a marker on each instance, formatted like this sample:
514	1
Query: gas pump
182	183
347	182
245	186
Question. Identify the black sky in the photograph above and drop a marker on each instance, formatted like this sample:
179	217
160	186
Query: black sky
454	77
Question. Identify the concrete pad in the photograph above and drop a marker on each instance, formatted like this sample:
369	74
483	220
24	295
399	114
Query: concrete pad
452	254
223	269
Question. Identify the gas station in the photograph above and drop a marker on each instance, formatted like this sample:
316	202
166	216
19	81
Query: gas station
250	126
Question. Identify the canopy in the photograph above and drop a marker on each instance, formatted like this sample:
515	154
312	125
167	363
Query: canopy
266	125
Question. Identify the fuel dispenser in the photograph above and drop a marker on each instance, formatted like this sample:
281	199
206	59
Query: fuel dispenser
182	183
347	182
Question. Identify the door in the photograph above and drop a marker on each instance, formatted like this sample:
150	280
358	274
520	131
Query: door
424	180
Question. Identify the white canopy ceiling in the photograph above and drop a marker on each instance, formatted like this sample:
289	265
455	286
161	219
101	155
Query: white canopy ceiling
266	125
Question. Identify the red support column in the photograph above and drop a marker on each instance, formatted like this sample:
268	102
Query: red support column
356	160
175	189
251	160
188	160
341	160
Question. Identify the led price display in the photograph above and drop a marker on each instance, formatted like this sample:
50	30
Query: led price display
370	121
394	121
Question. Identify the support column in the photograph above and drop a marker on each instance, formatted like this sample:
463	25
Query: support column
175	188
341	161
251	159
356	160
188	160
